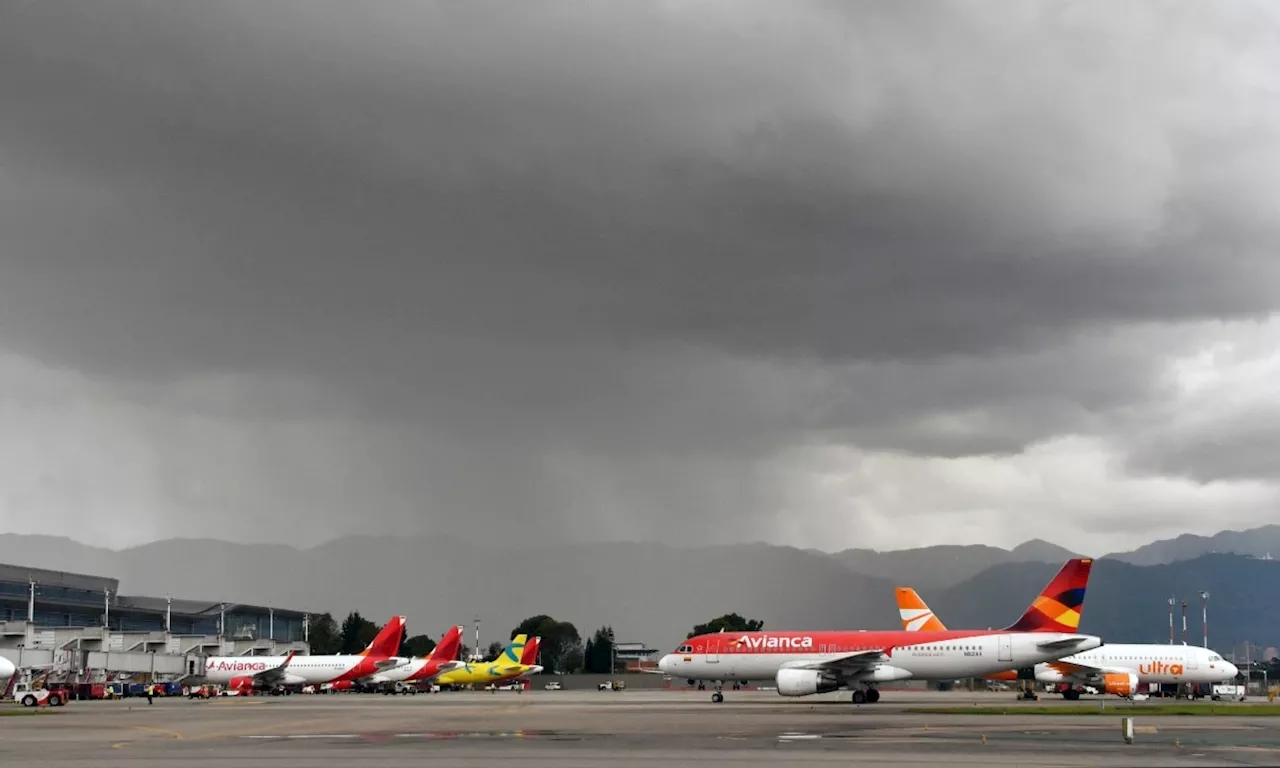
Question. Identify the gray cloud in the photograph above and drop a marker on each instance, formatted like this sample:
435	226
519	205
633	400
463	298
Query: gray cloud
447	262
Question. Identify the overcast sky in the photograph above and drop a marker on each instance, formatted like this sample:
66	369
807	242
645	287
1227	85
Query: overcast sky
828	274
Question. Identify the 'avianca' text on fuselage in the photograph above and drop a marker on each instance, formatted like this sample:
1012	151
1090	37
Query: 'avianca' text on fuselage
769	642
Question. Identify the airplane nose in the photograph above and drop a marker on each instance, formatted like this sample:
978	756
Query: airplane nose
666	663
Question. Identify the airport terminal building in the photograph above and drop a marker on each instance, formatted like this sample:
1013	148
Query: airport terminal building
81	628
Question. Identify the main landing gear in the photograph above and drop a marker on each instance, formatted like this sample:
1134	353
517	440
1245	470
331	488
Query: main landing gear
869	696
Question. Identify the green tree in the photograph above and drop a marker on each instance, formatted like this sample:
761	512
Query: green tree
495	648
561	648
464	651
730	622
599	659
323	636
357	633
418	646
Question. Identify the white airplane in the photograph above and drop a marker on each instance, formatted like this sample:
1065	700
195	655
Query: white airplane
7	670
806	663
1113	668
246	673
441	660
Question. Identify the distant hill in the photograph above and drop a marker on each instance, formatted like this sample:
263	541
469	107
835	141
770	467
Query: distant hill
1128	603
945	565
654	593
1257	542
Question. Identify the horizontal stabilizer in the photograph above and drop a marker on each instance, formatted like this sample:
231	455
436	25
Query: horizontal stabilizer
1066	642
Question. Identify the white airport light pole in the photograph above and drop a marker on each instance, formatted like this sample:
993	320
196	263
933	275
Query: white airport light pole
31	603
106	614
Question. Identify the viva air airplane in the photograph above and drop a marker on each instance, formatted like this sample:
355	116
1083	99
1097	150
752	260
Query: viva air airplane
1114	669
508	666
249	673
442	659
806	663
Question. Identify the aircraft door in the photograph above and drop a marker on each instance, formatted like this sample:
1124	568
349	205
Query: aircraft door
1192	660
1006	648
713	650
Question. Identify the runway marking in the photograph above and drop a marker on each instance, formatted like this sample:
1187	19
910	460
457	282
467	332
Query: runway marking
148	729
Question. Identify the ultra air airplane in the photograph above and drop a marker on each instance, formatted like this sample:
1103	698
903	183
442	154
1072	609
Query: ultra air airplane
249	673
1115	669
805	663
508	666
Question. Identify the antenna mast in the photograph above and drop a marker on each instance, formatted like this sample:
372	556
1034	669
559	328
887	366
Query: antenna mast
1204	615
1184	622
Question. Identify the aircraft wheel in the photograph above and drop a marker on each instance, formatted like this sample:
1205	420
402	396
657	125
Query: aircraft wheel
717	697
873	696
859	697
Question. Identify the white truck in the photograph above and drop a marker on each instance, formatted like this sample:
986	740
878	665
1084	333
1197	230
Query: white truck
1229	691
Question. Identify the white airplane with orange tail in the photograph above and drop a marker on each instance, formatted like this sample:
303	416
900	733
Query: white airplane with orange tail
1111	668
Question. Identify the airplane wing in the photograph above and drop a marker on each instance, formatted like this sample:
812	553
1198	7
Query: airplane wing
275	675
850	663
1085	673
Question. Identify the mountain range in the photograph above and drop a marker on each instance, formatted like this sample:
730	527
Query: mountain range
653	593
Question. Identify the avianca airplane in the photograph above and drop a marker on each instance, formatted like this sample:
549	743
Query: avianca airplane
1116	669
509	665
805	663
442	659
247	673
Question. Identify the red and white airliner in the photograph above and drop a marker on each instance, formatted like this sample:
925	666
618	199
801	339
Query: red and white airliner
248	673
806	663
443	658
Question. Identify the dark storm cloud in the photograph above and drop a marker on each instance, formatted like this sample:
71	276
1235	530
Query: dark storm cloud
546	231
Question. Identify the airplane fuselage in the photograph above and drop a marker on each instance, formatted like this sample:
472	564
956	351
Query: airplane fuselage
1152	663
302	670
910	655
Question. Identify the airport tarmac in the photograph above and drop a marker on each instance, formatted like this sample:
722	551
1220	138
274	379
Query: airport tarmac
626	728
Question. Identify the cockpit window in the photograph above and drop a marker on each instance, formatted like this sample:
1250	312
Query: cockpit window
685	649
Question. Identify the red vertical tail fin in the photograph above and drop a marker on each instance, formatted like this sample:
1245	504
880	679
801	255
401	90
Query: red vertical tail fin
1060	604
387	642
530	656
447	648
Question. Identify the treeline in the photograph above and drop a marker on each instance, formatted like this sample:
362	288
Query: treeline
562	651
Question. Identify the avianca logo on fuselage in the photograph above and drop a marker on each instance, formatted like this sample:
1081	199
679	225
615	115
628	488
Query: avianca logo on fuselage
1160	668
236	666
765	642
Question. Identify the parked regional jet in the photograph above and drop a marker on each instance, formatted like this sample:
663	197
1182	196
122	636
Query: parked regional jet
247	673
805	663
507	666
442	659
1116	669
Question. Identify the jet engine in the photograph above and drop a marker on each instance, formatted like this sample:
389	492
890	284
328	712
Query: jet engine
1120	683
243	684
883	673
804	682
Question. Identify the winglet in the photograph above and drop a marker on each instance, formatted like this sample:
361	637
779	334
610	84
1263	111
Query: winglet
1060	604
915	615
288	659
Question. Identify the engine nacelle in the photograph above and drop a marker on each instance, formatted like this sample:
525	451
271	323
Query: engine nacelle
1045	673
244	684
883	674
804	682
1120	683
